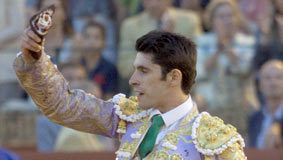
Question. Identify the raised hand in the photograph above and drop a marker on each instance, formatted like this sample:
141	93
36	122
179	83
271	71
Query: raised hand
32	40
31	45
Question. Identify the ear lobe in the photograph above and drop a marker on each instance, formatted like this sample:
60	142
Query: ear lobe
174	77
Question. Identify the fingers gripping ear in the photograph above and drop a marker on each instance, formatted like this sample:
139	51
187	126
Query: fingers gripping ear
32	35
30	45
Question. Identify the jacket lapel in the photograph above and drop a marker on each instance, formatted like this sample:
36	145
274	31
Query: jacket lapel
133	137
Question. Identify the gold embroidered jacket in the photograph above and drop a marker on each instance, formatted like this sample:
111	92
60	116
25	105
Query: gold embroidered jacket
197	136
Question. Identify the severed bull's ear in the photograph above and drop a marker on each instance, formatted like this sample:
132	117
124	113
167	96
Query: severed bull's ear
40	23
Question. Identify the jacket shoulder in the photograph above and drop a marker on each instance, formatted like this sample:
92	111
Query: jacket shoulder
212	137
128	110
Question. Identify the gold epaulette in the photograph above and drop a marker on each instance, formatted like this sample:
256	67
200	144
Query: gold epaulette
212	137
128	110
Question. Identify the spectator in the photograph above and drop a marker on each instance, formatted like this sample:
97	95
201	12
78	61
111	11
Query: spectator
90	46
271	45
47	131
197	6
265	125
73	71
157	15
132	7
55	37
255	14
253	9
224	58
104	12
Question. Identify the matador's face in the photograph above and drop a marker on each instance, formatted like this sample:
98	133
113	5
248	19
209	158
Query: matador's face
147	82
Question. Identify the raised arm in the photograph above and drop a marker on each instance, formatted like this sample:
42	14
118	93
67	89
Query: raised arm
51	93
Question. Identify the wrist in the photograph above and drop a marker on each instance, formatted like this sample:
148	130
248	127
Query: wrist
31	57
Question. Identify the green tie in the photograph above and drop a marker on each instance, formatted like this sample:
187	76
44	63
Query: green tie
149	140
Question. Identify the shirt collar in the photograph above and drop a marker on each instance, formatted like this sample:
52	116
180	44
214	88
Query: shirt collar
175	114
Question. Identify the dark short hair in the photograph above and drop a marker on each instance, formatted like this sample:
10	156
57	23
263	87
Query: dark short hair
92	23
171	51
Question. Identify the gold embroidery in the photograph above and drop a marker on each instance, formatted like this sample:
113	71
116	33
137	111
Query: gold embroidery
213	137
125	146
189	117
185	129
172	138
185	140
208	158
161	155
129	107
212	132
122	125
234	152
176	157
130	147
134	99
128	110
51	93
144	124
135	125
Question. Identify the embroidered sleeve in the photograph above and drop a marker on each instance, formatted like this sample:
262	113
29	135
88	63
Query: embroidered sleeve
72	108
213	138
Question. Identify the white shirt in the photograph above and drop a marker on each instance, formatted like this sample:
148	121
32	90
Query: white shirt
172	117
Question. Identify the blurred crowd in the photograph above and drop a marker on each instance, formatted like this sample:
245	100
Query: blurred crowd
239	68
